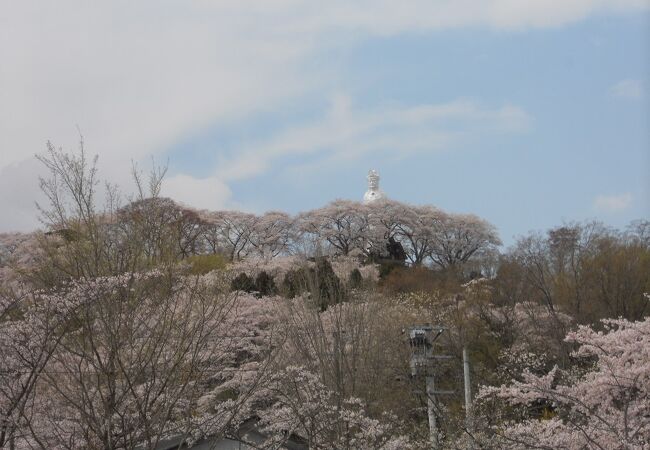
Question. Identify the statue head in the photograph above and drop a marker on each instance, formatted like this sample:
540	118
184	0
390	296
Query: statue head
373	180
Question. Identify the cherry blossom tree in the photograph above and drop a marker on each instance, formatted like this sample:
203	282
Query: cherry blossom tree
342	226
189	229
304	406
139	357
118	373
429	234
356	348
604	407
10	246
460	237
242	359
31	326
271	234
233	231
160	228
416	232
18	253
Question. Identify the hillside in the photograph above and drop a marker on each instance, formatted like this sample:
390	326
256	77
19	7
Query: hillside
126	325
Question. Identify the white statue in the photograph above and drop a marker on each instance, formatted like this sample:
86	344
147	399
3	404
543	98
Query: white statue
373	193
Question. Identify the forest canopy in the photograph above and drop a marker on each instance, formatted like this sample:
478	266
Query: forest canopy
138	321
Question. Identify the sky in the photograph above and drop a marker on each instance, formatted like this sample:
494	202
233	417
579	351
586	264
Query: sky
529	114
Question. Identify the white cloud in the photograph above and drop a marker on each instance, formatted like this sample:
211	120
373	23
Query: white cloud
203	193
613	203
628	89
135	77
346	133
18	193
387	17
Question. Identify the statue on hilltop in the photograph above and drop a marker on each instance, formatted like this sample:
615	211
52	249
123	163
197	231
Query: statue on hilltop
373	193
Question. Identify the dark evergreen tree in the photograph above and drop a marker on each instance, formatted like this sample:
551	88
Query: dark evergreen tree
294	283
326	285
395	250
242	282
355	280
265	285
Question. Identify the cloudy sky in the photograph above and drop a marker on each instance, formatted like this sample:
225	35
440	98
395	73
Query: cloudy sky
527	113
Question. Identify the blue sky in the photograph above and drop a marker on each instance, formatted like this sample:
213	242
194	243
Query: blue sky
528	117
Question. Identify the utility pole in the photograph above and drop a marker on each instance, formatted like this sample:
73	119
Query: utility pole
469	421
431	412
421	339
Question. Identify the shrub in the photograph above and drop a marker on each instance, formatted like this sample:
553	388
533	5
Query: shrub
386	267
420	279
202	264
